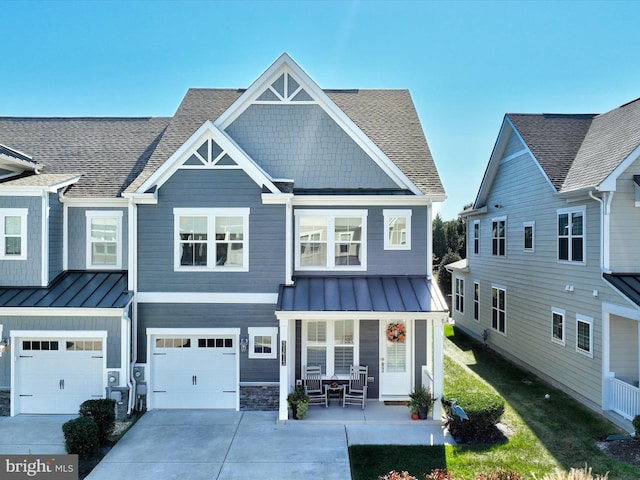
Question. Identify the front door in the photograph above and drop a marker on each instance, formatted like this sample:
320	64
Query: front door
395	355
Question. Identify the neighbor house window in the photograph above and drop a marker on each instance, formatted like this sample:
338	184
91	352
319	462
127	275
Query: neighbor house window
528	236
262	342
476	237
13	231
584	335
331	239
557	325
397	229
331	345
104	239
459	294
498	309
211	239
499	236
571	245
476	301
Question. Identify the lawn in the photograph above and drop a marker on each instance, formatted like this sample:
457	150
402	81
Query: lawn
545	433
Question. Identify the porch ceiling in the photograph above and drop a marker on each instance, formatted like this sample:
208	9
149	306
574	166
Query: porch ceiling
361	294
626	283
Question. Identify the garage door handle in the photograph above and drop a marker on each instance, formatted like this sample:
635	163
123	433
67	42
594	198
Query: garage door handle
194	380
62	384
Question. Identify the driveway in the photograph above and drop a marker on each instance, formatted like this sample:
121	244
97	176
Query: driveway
32	434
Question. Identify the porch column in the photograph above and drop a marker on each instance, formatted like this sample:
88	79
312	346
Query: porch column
438	367
285	359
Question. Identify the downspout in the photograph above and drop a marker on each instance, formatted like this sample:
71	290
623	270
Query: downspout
133	323
605	209
429	241
288	243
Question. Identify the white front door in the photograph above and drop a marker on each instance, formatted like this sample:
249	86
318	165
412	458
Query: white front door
194	371
395	359
55	375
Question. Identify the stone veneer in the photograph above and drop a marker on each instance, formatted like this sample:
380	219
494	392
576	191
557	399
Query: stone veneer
259	397
5	403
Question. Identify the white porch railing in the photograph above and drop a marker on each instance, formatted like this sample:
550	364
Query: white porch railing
624	398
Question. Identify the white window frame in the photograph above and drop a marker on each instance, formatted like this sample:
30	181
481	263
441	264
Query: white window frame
388	216
496	239
476	301
14	212
570	236
117	215
499	288
587	321
330	345
562	313
263	332
459	294
331	216
532	226
211	214
475	237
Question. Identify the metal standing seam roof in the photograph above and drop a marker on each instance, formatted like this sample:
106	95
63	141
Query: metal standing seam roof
627	283
362	294
72	290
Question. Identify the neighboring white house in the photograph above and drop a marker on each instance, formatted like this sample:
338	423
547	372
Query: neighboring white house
551	279
202	260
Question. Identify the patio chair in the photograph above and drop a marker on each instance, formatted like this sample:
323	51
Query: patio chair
356	393
313	386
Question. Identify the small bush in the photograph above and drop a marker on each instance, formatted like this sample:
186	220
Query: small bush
81	436
574	474
439	474
636	425
484	411
393	475
103	412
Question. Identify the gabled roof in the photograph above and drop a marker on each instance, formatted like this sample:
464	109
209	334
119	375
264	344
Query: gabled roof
626	283
15	160
108	152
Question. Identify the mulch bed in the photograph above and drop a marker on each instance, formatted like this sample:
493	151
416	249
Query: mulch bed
627	451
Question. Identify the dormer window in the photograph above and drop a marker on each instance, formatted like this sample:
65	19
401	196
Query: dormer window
13	231
104	239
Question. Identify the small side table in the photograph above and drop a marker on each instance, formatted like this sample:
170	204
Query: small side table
334	392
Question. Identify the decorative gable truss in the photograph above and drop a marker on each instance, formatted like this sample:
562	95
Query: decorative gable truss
285	89
208	148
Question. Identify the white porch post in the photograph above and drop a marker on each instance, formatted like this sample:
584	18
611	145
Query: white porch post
285	359
438	367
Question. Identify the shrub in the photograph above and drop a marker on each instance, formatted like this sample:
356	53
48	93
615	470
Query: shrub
81	436
439	474
636	425
393	475
103	412
484	411
574	474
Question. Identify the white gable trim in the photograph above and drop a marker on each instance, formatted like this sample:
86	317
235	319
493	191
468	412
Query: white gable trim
285	64
610	183
207	131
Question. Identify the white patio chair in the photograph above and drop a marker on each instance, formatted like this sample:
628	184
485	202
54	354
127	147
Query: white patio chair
313	386
356	393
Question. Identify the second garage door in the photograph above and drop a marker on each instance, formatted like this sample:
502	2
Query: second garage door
194	371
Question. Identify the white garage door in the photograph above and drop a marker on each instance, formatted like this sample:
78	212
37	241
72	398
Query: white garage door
194	371
55	375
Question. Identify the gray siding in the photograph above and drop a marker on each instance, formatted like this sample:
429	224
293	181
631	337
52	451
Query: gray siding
625	218
77	235
420	346
303	143
514	145
213	316
25	273
210	189
535	282
109	324
370	353
55	236
389	262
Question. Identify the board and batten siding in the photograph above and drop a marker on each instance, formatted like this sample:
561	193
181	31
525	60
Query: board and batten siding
199	188
25	273
111	325
191	315
77	235
536	281
625	224
379	260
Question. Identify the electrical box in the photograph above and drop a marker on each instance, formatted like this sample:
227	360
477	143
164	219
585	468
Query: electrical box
113	378
138	373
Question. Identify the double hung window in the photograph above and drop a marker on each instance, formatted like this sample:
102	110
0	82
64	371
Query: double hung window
571	244
584	336
499	309
104	239
331	345
476	301
331	239
13	233
211	239
499	236
459	293
476	237
557	325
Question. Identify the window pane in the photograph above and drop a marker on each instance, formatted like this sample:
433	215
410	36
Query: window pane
343	359
563	224
576	223
558	332
317	355
528	237
313	241
347	236
317	331
12	246
584	336
103	229
12	225
563	248
397	230
576	249
229	238
193	240
343	333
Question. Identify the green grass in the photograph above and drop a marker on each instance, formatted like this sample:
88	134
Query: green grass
558	432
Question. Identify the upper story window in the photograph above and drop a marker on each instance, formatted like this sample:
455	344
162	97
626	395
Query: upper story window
397	229
13	231
528	236
571	244
476	237
333	239
211	239
104	239
499	236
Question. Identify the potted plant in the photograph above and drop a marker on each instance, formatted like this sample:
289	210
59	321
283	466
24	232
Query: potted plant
298	402
421	401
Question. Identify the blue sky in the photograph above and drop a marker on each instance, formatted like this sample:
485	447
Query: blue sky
465	63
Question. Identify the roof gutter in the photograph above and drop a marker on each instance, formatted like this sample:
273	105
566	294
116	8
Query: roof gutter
605	228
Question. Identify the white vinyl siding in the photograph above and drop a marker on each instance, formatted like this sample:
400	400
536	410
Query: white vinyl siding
13	232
